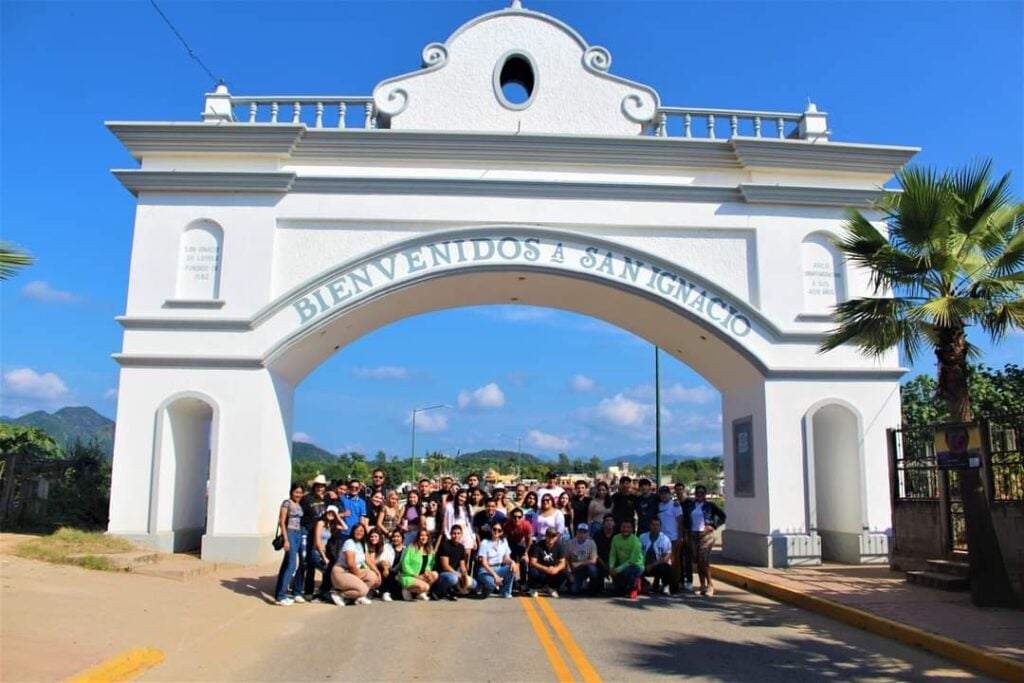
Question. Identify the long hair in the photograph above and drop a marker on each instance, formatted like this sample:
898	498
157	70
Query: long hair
378	547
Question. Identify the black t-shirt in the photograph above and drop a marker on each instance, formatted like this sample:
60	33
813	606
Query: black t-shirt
604	545
580	507
482	524
312	510
546	556
455	552
623	507
646	510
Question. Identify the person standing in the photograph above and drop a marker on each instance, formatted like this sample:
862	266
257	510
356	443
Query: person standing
580	502
458	512
686	563
564	505
600	507
549	517
581	554
486	518
646	506
700	518
624	503
313	505
626	561
289	524
548	568
410	521
452	567
670	513
354	512
603	541
495	568
378	484
550	488
657	550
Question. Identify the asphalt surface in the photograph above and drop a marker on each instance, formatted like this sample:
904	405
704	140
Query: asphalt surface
735	636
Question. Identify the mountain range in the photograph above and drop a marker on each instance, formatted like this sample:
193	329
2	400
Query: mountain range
82	422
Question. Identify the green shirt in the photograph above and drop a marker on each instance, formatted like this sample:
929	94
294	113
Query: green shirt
624	552
412	561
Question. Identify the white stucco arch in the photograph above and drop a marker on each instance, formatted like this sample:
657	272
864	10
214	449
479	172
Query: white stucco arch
199	261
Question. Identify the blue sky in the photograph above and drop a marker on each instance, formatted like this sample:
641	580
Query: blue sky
948	77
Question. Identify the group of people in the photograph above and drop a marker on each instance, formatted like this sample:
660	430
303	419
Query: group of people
458	540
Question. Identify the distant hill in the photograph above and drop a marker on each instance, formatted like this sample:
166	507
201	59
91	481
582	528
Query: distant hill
648	459
302	451
500	456
68	424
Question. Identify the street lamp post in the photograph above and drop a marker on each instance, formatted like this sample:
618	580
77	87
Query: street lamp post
519	453
412	450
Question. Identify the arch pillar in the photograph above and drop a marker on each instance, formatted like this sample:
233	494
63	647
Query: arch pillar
249	465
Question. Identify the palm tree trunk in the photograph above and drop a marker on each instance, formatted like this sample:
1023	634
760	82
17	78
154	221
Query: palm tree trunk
990	582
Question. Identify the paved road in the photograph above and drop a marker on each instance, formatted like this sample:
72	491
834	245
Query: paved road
736	636
57	621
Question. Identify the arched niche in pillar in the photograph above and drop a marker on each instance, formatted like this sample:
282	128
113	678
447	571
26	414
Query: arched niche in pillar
199	260
836	500
821	267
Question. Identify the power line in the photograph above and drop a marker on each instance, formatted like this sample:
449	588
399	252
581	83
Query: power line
191	52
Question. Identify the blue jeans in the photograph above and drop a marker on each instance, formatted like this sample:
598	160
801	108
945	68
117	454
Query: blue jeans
625	580
585	576
487	584
448	581
290	564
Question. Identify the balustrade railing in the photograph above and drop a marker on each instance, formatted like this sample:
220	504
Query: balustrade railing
712	124
315	112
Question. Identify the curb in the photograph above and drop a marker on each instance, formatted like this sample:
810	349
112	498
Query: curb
976	658
123	667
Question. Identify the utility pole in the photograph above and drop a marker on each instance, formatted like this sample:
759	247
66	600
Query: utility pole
412	450
657	420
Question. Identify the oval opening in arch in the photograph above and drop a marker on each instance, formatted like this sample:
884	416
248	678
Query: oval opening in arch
516	81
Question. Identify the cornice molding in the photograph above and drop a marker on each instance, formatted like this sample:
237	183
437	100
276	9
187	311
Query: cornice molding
275	139
137	181
825	156
169	324
754	193
132	360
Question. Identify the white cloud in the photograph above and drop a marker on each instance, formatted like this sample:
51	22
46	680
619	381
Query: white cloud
519	314
110	394
621	411
40	290
381	372
692	448
582	384
550	442
27	383
518	378
432	421
489	396
675	393
302	437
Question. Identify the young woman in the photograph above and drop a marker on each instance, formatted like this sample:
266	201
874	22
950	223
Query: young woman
352	576
600	506
391	583
700	519
429	518
476	500
391	514
327	538
549	517
529	506
290	526
410	523
564	506
418	574
500	497
458	512
374	506
380	555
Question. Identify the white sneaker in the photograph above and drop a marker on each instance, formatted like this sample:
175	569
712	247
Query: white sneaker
385	596
687	587
364	601
423	597
336	599
533	594
552	593
406	595
665	590
299	599
285	602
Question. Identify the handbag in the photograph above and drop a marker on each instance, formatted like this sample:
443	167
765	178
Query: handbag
278	541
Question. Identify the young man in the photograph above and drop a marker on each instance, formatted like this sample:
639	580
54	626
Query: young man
486	518
624	503
551	487
581	553
495	569
626	561
646	506
423	486
580	502
377	484
657	550
603	541
670	513
547	564
519	534
354	508
452	565
473	482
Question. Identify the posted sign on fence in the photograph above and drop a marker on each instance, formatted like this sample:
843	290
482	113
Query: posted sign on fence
958	446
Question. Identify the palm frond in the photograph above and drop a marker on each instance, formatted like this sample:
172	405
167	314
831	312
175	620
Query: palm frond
951	311
12	259
876	325
1004	317
922	212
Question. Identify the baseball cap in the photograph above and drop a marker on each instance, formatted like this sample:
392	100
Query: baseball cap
582	527
332	508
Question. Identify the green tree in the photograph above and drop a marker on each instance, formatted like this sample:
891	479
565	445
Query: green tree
594	466
12	259
953	258
564	464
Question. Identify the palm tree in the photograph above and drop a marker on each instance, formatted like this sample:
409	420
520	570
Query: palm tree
12	259
953	258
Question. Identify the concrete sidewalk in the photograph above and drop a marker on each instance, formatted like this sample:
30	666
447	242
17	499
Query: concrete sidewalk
875	595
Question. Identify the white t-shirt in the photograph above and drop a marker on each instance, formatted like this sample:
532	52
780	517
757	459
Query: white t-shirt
662	545
387	555
555	493
494	551
697	517
357	548
669	514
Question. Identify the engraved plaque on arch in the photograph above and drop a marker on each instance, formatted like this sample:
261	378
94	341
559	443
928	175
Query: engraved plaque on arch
199	261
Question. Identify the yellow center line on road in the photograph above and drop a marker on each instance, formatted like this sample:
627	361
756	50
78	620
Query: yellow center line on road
562	674
578	658
126	666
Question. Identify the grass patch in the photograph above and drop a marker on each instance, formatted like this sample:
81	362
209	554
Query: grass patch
75	547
